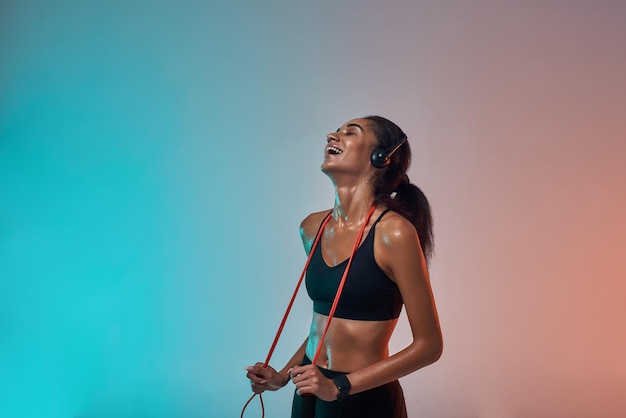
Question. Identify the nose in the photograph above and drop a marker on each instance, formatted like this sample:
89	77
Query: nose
332	137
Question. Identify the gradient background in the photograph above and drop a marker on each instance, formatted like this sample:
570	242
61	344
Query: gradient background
156	159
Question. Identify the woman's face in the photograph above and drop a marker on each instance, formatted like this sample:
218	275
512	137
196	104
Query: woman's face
349	149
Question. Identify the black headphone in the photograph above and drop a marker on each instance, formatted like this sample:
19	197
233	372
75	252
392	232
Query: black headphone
380	158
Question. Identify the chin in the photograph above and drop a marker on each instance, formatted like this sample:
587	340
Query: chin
328	168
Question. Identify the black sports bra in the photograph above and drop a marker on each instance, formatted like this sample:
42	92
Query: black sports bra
368	295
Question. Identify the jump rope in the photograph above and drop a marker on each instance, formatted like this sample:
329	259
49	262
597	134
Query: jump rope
293	297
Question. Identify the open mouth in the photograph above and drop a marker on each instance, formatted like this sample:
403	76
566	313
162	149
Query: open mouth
333	150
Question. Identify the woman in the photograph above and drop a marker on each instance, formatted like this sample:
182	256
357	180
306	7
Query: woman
366	159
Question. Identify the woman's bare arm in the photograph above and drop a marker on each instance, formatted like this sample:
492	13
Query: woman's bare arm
399	254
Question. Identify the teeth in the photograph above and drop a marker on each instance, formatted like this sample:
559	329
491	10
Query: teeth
333	150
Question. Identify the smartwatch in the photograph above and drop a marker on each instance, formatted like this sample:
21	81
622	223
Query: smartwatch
343	384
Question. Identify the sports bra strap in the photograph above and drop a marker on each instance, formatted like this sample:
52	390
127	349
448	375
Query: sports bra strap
380	217
320	230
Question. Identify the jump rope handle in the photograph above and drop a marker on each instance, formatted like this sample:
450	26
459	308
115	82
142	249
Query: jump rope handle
293	297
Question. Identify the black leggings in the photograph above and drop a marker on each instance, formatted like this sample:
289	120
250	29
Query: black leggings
386	401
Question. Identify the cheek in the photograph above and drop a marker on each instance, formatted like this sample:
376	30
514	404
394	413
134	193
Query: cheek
361	149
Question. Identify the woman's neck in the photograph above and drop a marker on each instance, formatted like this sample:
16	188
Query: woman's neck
352	204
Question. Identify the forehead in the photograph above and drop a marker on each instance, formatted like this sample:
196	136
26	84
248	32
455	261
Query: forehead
358	123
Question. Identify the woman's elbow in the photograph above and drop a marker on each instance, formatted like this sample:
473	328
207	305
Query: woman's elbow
431	349
437	349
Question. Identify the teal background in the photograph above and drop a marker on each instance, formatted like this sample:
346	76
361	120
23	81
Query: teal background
156	159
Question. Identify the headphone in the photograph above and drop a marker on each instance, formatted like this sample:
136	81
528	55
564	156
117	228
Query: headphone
381	158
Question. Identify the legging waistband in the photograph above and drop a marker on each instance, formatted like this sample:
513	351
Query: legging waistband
331	374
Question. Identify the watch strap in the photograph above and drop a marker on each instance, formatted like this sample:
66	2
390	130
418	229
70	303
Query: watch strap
343	384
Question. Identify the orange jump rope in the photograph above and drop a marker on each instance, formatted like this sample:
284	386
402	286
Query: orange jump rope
293	297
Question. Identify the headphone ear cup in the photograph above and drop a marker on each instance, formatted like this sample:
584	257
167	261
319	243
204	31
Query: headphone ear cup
379	158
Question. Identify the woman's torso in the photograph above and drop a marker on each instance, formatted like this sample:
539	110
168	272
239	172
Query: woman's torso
360	331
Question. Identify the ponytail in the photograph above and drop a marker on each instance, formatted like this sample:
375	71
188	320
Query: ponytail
393	188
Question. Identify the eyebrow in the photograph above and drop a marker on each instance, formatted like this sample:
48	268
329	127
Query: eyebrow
353	124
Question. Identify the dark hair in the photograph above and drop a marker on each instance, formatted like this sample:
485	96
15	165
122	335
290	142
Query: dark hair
392	187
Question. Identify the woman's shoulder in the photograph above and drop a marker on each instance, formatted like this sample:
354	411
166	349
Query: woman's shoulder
396	239
394	226
311	224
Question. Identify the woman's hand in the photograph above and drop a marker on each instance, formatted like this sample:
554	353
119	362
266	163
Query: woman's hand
265	378
310	381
